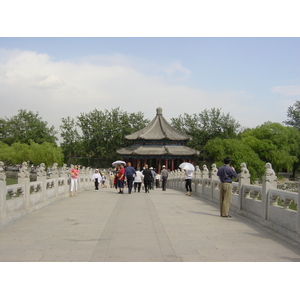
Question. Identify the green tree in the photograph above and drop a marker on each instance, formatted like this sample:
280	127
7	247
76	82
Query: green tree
72	145
20	152
293	115
239	153
276	144
5	153
26	126
103	132
205	126
46	153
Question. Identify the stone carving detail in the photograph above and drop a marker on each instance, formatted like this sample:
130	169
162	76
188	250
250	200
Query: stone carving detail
270	175
198	172
54	170
245	174
23	171
205	172
41	171
2	173
213	172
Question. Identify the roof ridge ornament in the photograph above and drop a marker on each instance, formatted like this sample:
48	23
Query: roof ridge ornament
159	111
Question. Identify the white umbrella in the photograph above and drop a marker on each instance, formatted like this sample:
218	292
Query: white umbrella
187	166
118	162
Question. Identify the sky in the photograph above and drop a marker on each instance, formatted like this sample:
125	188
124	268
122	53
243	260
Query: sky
254	79
246	64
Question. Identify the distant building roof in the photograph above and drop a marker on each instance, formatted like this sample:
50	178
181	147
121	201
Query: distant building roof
158	129
174	150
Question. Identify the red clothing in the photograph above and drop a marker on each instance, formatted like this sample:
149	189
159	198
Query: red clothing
121	172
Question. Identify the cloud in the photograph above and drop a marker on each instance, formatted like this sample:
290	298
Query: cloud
288	90
57	89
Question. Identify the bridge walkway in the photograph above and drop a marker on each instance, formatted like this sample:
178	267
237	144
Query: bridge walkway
158	226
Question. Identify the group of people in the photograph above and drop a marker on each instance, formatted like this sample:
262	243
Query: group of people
99	178
136	178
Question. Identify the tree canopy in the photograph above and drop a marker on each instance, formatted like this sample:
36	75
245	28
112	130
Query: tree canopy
17	153
26	126
206	125
293	115
103	133
276	144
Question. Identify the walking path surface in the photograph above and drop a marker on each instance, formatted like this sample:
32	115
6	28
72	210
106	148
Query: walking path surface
158	226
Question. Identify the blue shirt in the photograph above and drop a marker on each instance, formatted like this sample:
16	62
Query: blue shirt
226	173
129	171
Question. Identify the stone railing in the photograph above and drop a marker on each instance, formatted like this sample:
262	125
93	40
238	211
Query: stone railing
25	197
263	203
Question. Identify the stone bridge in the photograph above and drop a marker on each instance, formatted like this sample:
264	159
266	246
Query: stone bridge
160	226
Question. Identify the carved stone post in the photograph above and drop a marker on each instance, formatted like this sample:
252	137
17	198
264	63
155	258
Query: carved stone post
204	175
54	176
197	180
213	176
298	210
244	178
24	178
65	175
269	181
2	193
41	176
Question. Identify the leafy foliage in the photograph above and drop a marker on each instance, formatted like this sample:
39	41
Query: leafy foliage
205	126
276	144
26	126
293	115
103	133
17	153
239	153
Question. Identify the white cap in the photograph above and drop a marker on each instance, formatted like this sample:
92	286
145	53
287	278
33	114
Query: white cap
163	166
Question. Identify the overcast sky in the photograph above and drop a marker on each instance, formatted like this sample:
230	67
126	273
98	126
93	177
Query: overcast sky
255	79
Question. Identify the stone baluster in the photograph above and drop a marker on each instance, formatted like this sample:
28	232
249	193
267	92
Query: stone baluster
269	182
2	193
244	178
24	178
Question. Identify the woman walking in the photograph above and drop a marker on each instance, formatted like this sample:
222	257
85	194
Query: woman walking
74	183
188	181
138	180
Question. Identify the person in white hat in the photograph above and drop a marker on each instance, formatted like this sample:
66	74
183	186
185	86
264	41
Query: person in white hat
97	179
164	177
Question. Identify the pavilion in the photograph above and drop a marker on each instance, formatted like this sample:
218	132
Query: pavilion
158	144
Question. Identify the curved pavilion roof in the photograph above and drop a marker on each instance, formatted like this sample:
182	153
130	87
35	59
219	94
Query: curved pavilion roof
173	150
158	129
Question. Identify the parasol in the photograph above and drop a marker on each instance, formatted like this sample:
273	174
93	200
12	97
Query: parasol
119	162
187	166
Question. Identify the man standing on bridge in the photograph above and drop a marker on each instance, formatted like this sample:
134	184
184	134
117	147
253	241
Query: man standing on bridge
147	178
164	177
225	174
129	173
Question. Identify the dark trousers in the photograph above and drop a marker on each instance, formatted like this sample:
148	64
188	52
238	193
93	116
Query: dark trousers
164	184
147	184
129	182
188	185
137	185
157	183
96	184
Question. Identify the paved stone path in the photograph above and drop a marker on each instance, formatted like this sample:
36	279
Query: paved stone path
158	226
